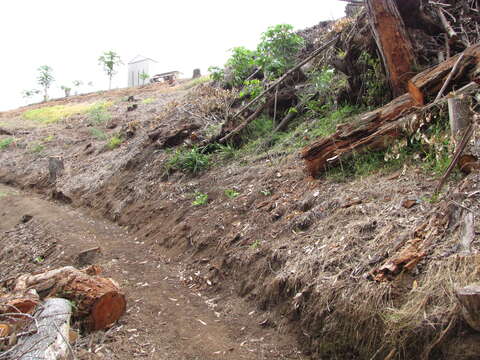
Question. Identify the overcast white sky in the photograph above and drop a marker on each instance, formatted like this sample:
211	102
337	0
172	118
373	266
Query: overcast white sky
70	35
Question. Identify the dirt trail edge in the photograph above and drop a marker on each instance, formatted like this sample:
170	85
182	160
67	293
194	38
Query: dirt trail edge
165	319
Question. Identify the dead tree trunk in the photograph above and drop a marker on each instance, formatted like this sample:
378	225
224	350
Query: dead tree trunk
394	43
50	339
469	299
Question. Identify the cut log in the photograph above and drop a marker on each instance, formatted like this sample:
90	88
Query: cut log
394	43
55	168
469	299
50	341
460	117
430	81
99	301
374	130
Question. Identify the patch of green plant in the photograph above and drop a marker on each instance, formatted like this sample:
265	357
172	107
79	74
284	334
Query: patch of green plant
216	73
192	161
200	199
260	127
99	134
5	143
265	192
49	138
231	194
277	50
241	64
256	244
98	114
375	88
327	125
148	100
251	88
37	148
114	142
201	80
39	260
52	114
226	152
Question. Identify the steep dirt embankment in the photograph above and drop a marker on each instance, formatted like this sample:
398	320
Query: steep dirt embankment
306	252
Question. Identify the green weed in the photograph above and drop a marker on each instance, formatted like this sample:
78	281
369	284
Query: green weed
37	148
99	134
49	138
256	244
114	142
200	199
98	114
148	100
187	160
231	194
5	143
52	114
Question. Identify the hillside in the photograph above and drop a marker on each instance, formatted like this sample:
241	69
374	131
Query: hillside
273	244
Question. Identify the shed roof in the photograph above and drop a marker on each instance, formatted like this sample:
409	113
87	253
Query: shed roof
140	58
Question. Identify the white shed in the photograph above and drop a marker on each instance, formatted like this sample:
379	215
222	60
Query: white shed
138	66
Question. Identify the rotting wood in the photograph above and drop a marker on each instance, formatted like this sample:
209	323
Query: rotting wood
99	301
431	80
50	340
373	130
393	42
469	299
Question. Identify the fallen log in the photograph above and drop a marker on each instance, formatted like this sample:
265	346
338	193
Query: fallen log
50	333
393	42
373	130
431	80
99	301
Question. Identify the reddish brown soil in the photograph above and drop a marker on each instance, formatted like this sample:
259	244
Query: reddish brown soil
166	319
289	255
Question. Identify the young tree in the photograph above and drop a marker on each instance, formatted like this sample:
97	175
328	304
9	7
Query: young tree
144	76
76	85
45	79
109	60
66	89
28	94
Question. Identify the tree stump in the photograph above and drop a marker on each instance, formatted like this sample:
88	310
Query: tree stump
196	74
55	168
469	299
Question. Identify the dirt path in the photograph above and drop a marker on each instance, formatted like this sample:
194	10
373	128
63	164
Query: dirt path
166	319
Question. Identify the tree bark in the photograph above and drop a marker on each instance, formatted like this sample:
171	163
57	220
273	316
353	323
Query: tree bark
50	341
431	80
460	117
394	43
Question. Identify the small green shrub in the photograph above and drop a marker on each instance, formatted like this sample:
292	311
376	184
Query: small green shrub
251	88
5	143
277	50
256	244
191	161
241	64
98	114
200	199
114	142
231	194
226	152
216	73
99	134
327	125
375	86
148	100
37	148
